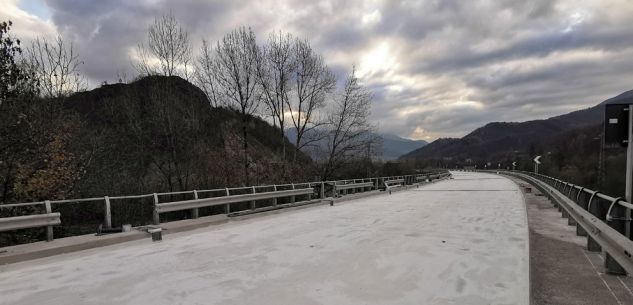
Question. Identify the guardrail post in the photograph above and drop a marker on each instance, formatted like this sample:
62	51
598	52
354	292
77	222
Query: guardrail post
227	207
253	201
49	229
194	212
592	245
612	267
580	231
322	190
616	219
571	221
108	212
628	216
155	214
610	264
292	198
560	208
275	199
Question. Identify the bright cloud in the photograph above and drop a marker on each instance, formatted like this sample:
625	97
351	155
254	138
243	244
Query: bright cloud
437	68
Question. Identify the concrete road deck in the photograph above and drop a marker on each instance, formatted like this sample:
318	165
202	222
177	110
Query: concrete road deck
461	241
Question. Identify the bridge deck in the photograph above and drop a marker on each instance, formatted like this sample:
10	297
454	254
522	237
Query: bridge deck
461	241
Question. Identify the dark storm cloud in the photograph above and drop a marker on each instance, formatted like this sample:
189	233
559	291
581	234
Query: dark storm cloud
437	68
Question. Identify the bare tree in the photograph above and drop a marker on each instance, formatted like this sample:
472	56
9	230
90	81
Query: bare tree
168	43
56	67
235	73
349	131
205	75
313	81
274	69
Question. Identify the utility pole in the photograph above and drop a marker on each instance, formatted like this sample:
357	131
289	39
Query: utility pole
618	132
629	170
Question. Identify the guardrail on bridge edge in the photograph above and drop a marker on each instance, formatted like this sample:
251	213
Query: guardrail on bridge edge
603	219
250	194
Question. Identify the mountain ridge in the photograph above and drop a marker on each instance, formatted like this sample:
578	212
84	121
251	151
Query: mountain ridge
511	138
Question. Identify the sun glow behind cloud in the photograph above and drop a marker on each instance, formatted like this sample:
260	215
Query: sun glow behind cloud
378	60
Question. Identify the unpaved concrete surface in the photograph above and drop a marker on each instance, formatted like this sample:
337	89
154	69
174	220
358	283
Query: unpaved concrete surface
562	271
460	241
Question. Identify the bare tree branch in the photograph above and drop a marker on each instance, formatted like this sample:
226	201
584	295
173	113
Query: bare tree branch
235	73
349	131
56	66
274	69
313	82
168	43
204	75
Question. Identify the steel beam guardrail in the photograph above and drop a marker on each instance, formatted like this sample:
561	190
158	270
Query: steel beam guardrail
213	201
320	190
606	229
343	188
29	221
394	181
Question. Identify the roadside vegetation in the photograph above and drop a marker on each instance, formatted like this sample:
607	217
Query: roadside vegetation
206	118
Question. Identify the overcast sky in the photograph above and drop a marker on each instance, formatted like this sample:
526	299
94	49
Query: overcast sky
438	68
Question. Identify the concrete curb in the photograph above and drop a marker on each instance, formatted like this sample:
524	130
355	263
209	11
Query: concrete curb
25	252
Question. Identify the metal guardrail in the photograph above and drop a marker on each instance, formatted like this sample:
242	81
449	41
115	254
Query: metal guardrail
352	186
394	181
29	221
604	220
214	201
318	190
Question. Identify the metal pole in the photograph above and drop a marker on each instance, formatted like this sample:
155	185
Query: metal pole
292	198
155	214
194	212
253	201
629	172
227	207
108	212
49	229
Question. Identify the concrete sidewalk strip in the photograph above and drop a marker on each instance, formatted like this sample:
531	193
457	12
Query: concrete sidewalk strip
25	252
562	271
411	247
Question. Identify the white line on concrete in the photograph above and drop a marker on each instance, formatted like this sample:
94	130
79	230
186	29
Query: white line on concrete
625	286
601	278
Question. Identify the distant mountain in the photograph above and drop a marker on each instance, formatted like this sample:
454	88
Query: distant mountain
510	138
394	146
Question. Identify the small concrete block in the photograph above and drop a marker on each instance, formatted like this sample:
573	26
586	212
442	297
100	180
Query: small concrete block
157	234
